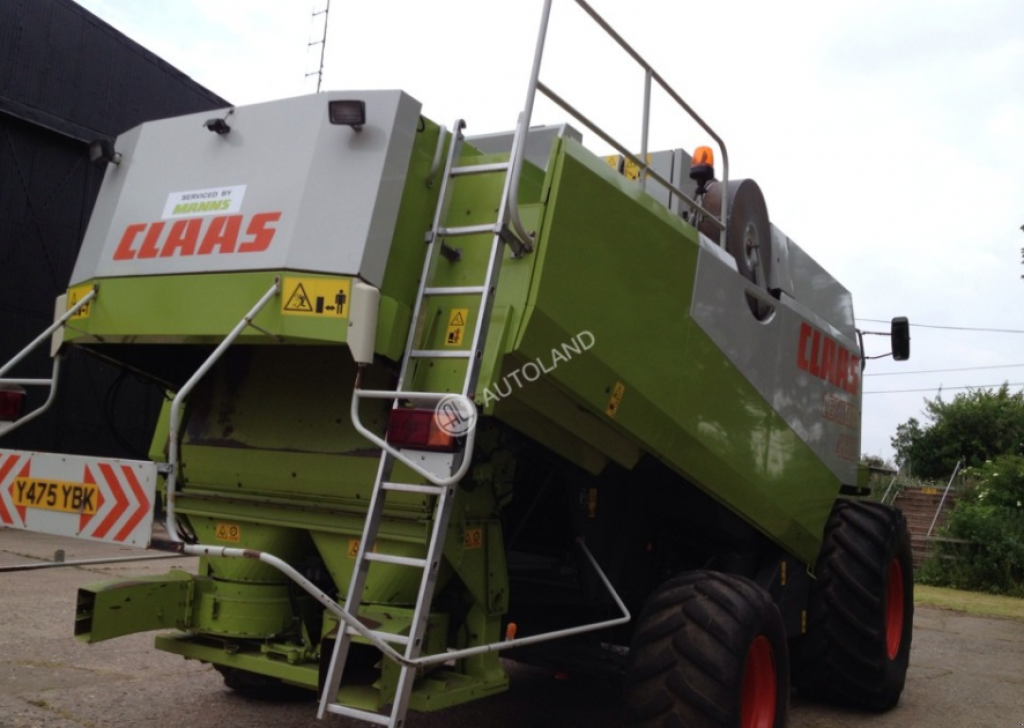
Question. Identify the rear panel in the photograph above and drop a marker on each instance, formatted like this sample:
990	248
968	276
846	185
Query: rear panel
283	189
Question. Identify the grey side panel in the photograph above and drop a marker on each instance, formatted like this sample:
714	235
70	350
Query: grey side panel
783	360
816	289
103	214
305	194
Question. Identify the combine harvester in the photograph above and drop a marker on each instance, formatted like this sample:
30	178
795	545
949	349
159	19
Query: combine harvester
603	415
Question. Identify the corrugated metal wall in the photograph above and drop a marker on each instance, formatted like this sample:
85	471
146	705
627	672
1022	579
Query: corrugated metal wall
67	78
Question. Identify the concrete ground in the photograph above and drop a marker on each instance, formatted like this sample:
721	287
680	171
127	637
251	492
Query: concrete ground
966	672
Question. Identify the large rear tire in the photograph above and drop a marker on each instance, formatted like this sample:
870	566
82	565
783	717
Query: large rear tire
860	617
709	651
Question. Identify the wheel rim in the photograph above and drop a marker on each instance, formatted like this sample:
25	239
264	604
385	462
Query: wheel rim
894	609
760	685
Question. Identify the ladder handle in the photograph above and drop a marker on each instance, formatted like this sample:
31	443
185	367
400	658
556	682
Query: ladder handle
435	165
358	394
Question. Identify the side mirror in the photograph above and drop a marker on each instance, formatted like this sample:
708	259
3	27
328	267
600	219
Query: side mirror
900	336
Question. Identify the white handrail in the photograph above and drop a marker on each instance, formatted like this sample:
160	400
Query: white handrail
55	372
48	332
942	501
523	127
179	398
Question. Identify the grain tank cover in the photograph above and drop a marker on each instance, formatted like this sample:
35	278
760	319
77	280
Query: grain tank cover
282	189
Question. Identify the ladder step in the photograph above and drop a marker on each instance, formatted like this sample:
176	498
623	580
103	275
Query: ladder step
454	290
411	488
439	354
396	560
365	715
397	639
459	231
479	169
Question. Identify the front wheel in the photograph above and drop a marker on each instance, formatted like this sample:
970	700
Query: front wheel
860	618
709	651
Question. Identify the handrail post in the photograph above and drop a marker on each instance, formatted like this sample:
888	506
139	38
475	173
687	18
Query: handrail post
523	128
943	500
891	484
646	126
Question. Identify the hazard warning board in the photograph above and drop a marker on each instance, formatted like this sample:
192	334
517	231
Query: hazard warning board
456	332
82	497
324	297
75	295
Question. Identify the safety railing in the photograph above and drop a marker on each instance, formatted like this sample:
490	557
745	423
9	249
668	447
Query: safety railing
893	490
51	382
942	501
464	404
646	171
173	446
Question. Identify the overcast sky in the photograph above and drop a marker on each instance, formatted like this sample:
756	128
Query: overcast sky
886	135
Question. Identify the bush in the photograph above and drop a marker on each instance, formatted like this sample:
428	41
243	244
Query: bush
987	525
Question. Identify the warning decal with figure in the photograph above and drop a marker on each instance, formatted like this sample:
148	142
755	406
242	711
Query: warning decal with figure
324	297
456	326
75	295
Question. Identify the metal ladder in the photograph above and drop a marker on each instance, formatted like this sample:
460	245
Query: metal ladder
446	470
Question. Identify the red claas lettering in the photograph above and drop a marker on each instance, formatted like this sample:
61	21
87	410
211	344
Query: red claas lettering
822	356
197	236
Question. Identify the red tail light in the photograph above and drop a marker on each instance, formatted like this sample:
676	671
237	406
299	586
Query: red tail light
419	429
12	404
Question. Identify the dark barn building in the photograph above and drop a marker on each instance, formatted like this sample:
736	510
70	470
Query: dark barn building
67	79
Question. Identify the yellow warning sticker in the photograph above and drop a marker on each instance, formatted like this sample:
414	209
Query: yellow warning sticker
631	170
324	297
353	548
473	538
228	532
456	326
74	296
615	400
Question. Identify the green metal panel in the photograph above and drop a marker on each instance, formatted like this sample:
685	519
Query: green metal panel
613	262
124	606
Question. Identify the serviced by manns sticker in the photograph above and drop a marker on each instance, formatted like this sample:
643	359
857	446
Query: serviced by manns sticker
212	201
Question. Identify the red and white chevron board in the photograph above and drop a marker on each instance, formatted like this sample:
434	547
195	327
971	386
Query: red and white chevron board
82	497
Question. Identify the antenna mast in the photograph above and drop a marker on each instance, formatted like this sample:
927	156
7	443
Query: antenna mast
319	73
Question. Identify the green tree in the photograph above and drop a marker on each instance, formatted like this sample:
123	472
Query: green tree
977	425
984	545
